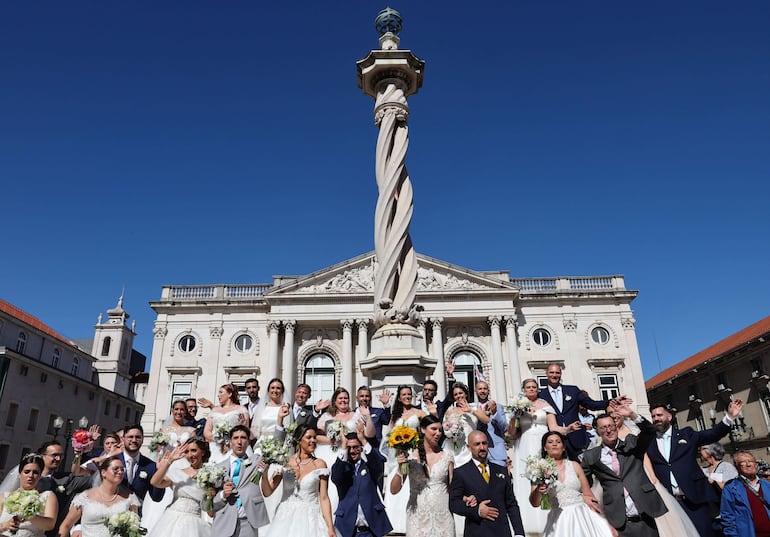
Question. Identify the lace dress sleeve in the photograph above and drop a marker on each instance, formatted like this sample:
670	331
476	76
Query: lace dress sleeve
133	500
80	500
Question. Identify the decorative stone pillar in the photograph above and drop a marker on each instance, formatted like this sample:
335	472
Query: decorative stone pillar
289	367
346	375
437	351
363	349
273	328
500	392
514	371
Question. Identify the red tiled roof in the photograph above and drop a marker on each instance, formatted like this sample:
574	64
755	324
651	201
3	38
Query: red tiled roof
717	349
34	322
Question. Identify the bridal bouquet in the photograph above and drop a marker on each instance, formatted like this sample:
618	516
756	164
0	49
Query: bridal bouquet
125	524
453	429
82	441
222	433
209	476
24	504
518	406
159	440
334	431
403	439
541	471
273	452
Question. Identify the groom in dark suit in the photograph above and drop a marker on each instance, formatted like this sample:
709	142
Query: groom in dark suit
356	473
565	400
490	490
139	469
631	502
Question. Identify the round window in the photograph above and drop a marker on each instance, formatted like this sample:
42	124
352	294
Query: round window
187	343
600	335
243	343
541	337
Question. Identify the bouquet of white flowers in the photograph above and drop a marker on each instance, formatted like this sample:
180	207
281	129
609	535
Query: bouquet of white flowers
222	433
273	452
159	440
209	476
541	471
334	431
24	504
518	406
125	524
453	429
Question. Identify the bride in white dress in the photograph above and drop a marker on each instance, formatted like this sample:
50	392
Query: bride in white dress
94	506
532	426
183	517
460	420
263	427
223	418
30	469
572	513
403	414
332	426
307	512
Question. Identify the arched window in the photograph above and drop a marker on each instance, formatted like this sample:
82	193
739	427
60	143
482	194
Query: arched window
467	369
21	343
75	365
319	375
55	358
106	346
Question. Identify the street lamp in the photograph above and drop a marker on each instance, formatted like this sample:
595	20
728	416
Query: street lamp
58	423
67	440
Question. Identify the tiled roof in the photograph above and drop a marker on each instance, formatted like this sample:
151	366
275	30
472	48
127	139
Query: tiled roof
32	321
719	348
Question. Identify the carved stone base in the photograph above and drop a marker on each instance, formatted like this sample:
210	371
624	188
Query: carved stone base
398	357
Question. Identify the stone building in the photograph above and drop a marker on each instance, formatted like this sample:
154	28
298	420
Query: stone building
699	388
43	376
317	329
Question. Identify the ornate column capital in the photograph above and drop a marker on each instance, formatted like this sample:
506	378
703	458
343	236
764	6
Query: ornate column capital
289	325
160	332
216	331
363	324
436	322
570	324
273	326
347	325
510	322
628	323
494	321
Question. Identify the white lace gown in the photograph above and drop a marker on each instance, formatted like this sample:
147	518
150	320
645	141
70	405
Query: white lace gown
533	428
231	419
26	528
94	514
569	515
266	420
395	504
300	513
427	512
152	510
183	517
325	451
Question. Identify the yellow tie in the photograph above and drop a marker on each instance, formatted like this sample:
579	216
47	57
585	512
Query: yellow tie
484	472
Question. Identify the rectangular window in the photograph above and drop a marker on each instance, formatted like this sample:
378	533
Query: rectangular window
107	407
32	424
321	383
136	416
608	386
4	449
13	410
181	390
722	382
24	370
542	382
51	429
117	411
128	413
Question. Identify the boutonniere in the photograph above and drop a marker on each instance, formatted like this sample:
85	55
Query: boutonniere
501	476
60	489
303	413
364	472
567	398
682	441
142	475
247	462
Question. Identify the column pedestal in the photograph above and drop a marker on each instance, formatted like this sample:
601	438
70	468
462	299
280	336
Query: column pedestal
394	361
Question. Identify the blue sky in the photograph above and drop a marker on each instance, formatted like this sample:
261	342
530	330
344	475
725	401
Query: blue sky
152	143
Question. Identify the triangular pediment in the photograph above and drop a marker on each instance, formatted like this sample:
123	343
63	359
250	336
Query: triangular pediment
356	276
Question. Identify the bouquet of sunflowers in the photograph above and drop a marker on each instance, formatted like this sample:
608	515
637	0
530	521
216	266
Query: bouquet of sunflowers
403	439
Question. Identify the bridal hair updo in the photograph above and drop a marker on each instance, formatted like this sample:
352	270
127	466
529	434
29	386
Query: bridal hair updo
231	389
31	458
203	446
464	388
398	406
548	435
105	463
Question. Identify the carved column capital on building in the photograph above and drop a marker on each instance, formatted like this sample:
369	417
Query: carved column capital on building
510	322
160	332
570	324
289	325
347	325
436	322
273	326
494	321
628	323
399	110
216	332
363	324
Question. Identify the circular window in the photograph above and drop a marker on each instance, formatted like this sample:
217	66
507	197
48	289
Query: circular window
600	335
243	343
187	343
541	337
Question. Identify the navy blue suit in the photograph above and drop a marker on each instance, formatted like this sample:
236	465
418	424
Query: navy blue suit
682	462
359	487
142	475
380	417
577	441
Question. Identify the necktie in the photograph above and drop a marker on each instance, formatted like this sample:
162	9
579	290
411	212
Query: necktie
667	455
484	472
615	461
556	398
237	476
129	469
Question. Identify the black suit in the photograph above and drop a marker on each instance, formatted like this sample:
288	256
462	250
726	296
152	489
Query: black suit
305	416
65	486
467	480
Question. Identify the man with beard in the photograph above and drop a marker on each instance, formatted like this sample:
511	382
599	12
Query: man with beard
252	390
673	456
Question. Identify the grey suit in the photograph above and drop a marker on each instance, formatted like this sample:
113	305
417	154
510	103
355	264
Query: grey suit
632	477
226	520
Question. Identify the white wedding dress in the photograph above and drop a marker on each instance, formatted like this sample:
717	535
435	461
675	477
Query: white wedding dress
427	512
183	517
263	428
300	513
457	441
26	528
569	515
94	514
533	428
395	504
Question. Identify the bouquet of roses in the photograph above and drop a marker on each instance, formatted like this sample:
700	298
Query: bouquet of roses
518	406
453	429
222	433
273	452
403	439
125	524
541	471
159	440
209	476
24	504
82	442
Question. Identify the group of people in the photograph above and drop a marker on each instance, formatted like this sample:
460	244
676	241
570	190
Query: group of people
468	473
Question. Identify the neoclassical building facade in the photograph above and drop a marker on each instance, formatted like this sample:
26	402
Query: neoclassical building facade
317	329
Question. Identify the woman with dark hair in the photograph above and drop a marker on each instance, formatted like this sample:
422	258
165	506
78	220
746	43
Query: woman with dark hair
403	414
94	506
30	469
459	420
183	517
266	415
427	511
574	511
308	511
221	419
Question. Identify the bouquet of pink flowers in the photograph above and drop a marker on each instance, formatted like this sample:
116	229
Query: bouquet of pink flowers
82	442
